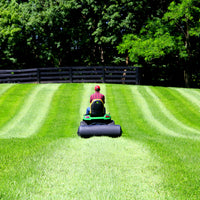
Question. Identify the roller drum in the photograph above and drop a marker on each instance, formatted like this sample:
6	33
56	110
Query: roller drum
99	130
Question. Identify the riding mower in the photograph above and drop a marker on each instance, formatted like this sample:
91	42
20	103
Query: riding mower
98	123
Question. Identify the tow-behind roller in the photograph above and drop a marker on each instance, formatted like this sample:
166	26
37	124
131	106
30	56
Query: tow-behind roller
99	130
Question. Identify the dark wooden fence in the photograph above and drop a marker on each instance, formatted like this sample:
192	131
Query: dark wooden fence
98	74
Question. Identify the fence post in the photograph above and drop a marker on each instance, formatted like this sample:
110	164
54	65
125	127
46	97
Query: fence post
103	70
137	76
38	75
70	75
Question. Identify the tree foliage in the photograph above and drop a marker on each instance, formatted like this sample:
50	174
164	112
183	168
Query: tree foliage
58	32
175	35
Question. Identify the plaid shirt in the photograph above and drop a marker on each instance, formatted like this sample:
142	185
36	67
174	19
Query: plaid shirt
97	95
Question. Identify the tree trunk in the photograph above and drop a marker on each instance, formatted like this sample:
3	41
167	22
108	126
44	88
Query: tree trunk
187	78
127	60
102	54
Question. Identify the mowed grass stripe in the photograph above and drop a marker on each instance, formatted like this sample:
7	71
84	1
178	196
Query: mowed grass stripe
197	93
115	101
173	120
181	107
96	168
88	89
125	111
149	110
11	101
29	119
191	95
63	117
4	88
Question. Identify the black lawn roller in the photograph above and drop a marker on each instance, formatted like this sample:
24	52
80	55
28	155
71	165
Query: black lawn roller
97	123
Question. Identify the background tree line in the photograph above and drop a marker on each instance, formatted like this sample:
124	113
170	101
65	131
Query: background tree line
160	36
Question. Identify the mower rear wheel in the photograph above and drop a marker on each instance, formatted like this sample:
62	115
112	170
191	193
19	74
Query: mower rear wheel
112	122
83	123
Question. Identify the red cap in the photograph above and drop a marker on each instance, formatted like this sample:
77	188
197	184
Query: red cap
97	88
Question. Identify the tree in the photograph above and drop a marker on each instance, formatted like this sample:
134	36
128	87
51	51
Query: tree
10	32
36	33
49	31
104	24
184	17
176	34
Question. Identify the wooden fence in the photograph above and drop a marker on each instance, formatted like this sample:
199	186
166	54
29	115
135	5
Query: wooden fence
98	74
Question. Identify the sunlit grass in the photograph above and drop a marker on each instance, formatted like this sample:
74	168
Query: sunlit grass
156	157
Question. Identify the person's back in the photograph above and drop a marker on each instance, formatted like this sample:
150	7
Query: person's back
96	95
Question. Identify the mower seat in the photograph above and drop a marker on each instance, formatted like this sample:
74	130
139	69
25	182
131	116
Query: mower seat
97	108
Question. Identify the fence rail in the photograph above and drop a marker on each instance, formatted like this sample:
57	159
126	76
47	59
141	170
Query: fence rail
78	74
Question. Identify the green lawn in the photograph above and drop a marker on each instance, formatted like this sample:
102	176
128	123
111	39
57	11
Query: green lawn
41	156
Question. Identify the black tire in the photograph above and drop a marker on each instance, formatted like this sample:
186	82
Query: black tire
83	123
112	122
